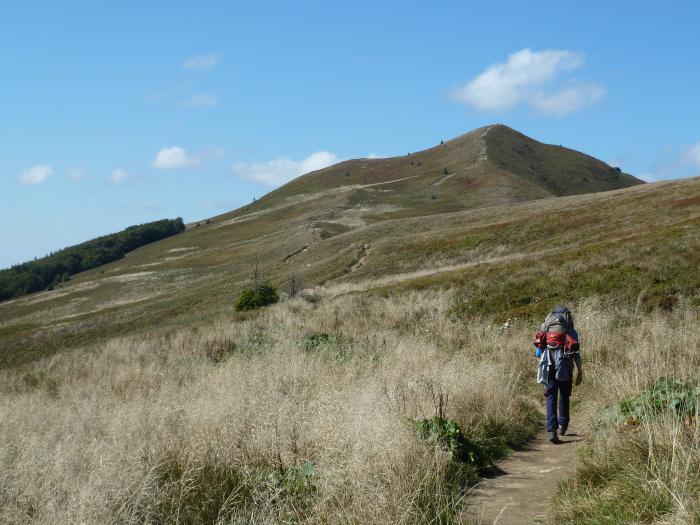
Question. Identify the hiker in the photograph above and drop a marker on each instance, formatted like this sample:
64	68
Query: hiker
558	349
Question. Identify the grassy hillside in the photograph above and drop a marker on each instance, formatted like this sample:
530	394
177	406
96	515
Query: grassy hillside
622	243
635	244
357	220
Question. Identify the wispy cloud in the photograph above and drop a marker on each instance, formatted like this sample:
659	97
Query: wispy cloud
647	177
211	152
143	206
36	174
692	155
672	162
202	100
567	100
216	205
153	95
283	169
201	62
527	78
76	174
176	157
118	176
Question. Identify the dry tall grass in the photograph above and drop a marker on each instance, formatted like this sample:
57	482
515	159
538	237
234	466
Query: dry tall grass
643	470
218	424
256	422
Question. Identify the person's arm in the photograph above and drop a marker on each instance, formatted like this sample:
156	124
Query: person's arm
577	358
579	368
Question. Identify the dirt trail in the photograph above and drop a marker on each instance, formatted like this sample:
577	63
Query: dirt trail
520	489
362	256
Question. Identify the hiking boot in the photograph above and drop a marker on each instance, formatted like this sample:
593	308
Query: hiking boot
555	439
562	430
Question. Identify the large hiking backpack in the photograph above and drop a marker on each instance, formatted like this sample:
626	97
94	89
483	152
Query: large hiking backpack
556	331
560	320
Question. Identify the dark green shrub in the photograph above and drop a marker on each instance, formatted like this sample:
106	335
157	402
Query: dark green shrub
262	294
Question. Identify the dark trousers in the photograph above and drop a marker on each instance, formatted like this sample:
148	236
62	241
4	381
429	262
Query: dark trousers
553	389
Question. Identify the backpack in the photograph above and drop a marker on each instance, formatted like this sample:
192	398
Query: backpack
559	320
556	331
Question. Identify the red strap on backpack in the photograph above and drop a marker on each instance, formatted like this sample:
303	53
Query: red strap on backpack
556	339
541	340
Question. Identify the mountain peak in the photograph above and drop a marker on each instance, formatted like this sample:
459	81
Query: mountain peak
494	164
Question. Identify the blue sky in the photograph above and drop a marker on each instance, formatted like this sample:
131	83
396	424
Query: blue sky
114	114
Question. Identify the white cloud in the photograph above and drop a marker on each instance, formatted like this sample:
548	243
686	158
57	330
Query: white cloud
201	62
524	79
317	161
118	175
692	155
647	177
36	174
283	169
202	100
175	157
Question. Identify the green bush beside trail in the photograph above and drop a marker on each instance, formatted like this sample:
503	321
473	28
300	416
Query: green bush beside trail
257	296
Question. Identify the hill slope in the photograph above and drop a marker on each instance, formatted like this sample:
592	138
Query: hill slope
369	230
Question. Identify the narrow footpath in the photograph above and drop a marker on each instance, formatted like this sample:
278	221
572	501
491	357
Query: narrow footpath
519	490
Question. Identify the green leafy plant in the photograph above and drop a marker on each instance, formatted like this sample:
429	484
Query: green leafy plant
303	478
313	341
666	395
333	346
448	434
